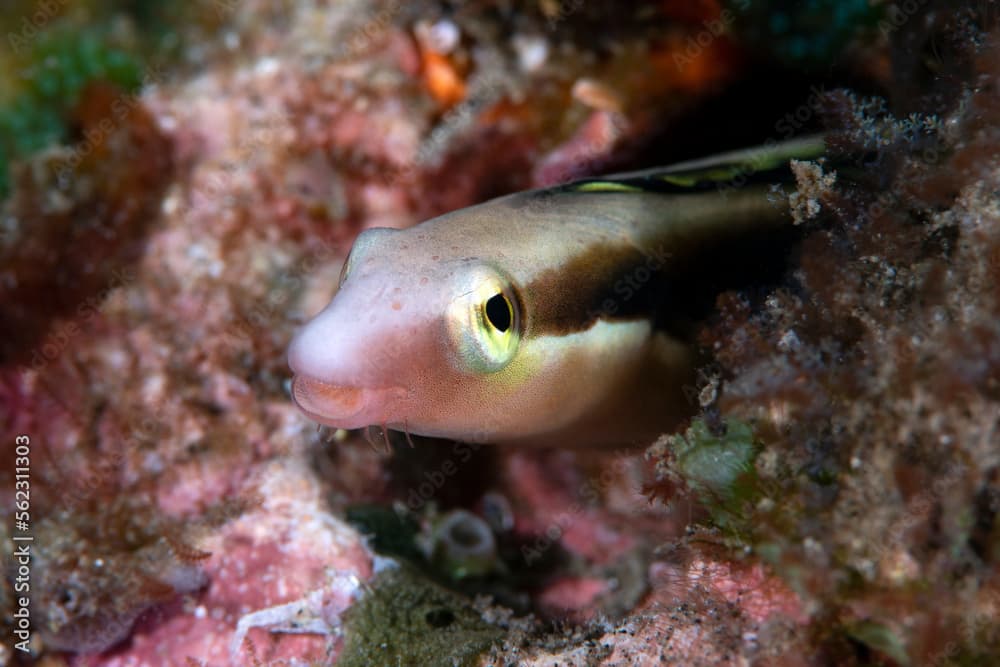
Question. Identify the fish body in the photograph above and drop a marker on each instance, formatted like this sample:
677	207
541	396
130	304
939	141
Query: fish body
544	316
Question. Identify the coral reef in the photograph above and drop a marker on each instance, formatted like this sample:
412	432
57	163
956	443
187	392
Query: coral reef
871	382
58	65
166	230
62	252
407	621
100	569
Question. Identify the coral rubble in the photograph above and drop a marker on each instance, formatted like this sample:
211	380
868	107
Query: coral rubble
165	231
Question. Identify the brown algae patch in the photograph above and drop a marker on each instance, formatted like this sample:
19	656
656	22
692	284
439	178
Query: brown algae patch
405	619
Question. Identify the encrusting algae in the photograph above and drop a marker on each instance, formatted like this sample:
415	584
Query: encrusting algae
834	500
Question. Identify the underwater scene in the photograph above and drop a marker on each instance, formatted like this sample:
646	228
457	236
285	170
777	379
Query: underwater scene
499	333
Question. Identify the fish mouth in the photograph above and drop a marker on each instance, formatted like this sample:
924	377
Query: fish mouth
340	406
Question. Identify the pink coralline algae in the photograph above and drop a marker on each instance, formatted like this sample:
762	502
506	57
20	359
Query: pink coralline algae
185	513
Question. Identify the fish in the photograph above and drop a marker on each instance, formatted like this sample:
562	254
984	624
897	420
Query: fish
559	316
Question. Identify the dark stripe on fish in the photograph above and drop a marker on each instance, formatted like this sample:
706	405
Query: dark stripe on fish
674	286
606	281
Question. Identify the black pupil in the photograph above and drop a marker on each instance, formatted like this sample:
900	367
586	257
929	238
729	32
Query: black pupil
498	312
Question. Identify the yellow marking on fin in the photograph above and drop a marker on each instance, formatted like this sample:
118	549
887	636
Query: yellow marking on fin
607	186
693	178
680	180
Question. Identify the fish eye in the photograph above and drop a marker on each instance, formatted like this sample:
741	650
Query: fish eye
499	312
485	321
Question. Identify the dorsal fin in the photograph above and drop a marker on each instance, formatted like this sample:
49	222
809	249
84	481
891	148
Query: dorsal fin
764	164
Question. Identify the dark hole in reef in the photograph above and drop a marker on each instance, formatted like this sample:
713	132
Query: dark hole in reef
498	312
984	517
66	597
440	618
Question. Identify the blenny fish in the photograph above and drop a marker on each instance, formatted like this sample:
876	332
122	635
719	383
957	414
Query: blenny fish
557	316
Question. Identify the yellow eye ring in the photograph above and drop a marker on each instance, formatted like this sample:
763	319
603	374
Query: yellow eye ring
496	323
485	322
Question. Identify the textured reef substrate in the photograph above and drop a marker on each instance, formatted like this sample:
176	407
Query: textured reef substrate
165	229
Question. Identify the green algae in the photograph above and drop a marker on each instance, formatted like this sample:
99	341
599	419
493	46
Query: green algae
56	49
60	63
880	638
407	620
719	469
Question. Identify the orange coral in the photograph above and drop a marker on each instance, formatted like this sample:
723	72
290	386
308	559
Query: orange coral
443	79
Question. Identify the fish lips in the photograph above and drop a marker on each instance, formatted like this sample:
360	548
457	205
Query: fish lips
341	406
